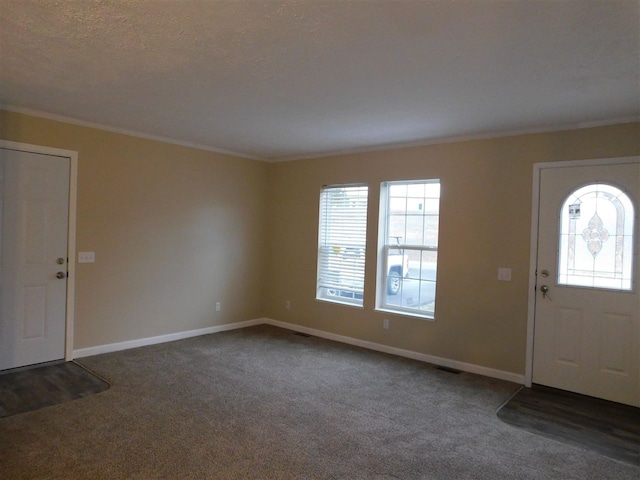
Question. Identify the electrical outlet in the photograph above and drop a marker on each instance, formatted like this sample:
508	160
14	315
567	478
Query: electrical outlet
287	305
86	257
218	306
385	324
504	274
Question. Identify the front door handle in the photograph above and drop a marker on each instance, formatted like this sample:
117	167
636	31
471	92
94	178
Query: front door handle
61	275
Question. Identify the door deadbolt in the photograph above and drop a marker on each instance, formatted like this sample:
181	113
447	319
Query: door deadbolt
544	273
60	261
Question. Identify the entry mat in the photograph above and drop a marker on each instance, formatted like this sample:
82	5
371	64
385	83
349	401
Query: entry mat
609	428
28	389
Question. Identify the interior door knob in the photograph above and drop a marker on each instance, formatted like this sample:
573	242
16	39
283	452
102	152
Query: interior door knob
61	275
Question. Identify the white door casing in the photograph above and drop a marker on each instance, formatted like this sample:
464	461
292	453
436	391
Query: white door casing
38	228
584	340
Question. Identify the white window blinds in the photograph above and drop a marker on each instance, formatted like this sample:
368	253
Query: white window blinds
342	243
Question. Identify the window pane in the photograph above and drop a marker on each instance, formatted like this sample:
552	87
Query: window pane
398	190
428	271
397	228
342	243
397	204
415	260
432	206
415	230
596	238
413	220
415	190
415	289
415	205
409	254
432	190
431	230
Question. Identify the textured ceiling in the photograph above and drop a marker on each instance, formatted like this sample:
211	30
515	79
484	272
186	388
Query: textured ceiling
290	79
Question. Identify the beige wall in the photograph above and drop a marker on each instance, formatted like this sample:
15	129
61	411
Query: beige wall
175	229
484	224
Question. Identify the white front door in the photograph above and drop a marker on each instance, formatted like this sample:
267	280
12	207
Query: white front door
587	308
34	191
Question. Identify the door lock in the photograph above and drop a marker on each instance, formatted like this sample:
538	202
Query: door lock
61	275
60	261
545	292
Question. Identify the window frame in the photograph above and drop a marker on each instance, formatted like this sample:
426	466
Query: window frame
342	290
382	295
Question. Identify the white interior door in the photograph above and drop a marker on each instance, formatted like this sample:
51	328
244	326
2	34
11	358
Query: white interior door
34	190
587	307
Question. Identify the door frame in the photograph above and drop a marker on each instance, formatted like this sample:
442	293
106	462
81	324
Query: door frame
71	232
533	259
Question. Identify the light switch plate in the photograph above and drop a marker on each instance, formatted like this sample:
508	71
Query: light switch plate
86	257
504	274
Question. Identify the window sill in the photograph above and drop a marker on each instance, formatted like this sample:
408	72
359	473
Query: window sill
338	302
404	313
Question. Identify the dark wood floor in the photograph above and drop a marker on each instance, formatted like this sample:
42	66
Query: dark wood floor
609	428
23	390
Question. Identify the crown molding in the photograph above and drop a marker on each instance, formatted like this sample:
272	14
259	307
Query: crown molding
123	131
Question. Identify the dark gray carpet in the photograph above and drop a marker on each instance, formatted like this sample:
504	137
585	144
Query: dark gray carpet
264	403
30	389
606	427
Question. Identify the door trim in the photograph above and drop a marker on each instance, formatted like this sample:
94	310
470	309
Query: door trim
71	233
533	259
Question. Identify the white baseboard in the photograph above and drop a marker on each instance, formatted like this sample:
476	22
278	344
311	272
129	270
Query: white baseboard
142	342
423	357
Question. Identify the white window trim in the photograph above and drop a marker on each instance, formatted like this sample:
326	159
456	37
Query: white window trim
382	266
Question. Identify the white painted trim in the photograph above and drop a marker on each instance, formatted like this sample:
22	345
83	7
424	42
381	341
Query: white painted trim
533	262
444	362
71	232
123	131
143	342
533	259
461	138
331	153
71	255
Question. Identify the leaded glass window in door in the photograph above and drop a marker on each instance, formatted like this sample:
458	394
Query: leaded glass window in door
596	243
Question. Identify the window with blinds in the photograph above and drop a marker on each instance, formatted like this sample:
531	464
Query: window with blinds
342	243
